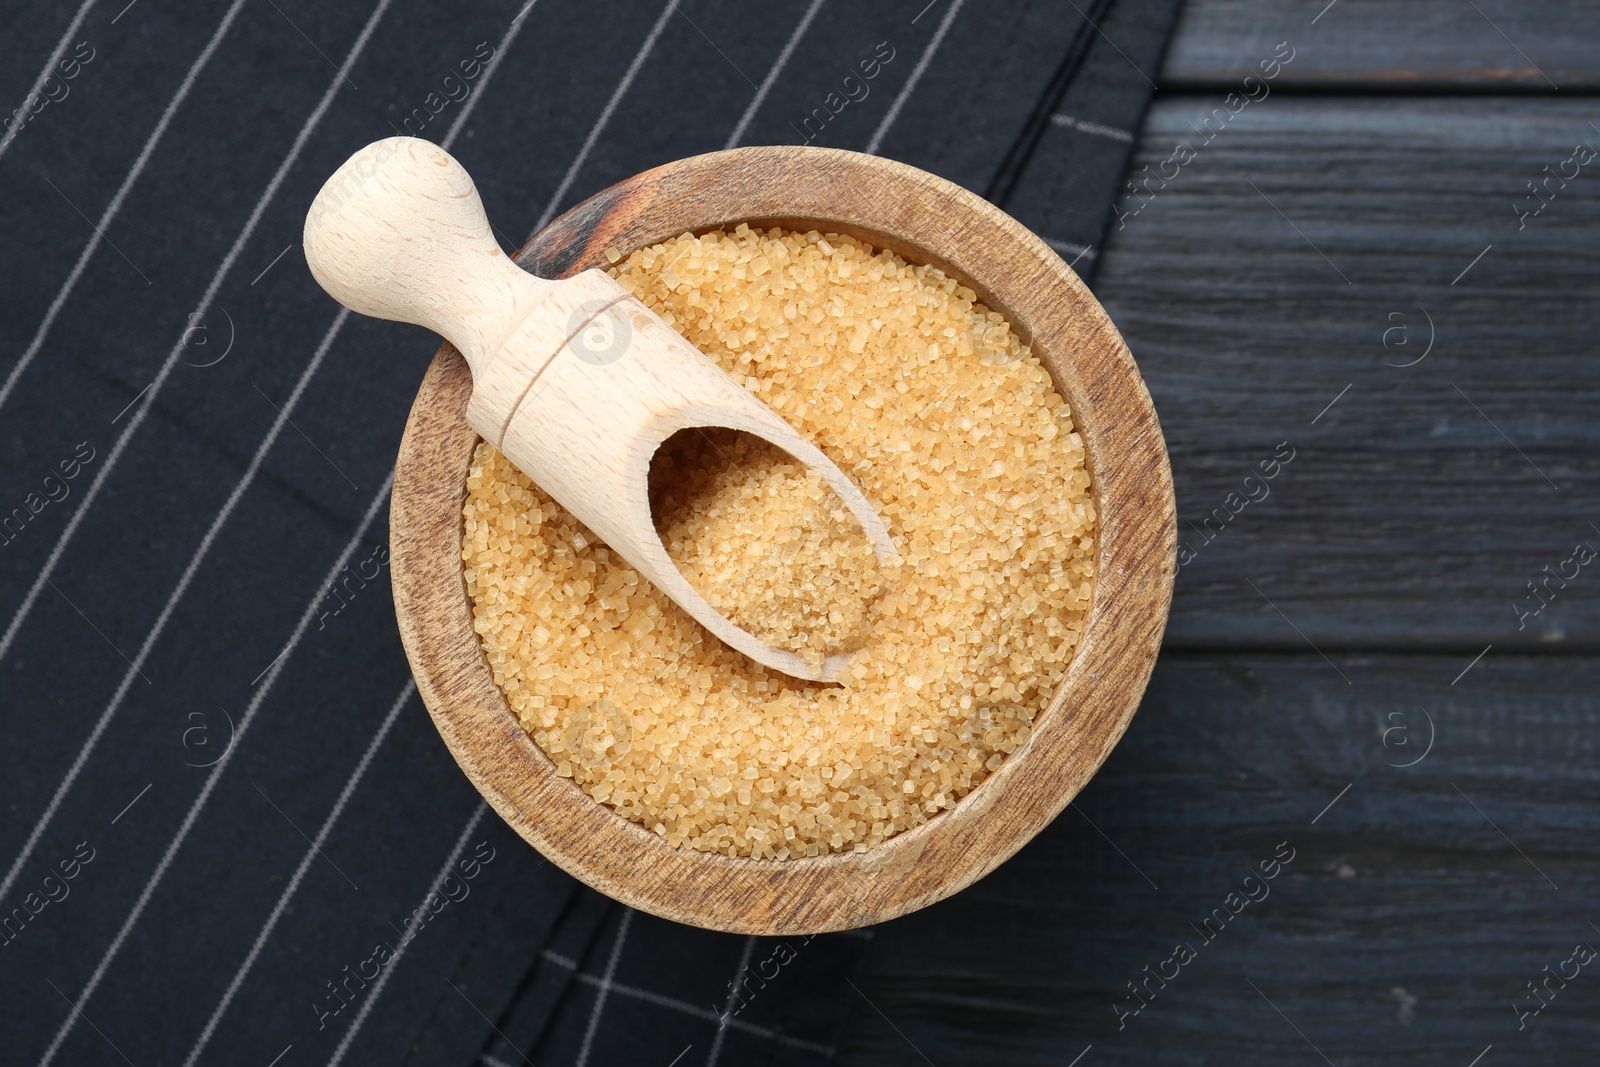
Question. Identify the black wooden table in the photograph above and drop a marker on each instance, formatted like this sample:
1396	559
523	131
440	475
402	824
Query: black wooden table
1357	671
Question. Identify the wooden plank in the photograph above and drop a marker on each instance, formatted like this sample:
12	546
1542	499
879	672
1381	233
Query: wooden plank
1399	45
1402	931
1418	507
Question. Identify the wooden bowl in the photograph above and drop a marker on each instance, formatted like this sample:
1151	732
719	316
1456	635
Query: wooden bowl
925	220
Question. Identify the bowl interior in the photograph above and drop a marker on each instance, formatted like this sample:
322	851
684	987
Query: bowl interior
926	221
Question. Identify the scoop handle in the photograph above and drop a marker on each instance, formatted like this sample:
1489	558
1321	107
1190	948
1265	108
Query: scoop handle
399	232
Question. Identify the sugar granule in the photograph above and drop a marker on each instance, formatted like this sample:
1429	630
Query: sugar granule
766	541
931	404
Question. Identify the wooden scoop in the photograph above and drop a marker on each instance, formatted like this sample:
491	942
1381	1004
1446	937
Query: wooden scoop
576	381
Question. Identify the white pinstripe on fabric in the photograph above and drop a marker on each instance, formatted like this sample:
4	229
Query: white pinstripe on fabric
189	571
405	939
188	823
44	73
311	853
1067	248
635	993
733	994
605	114
215	776
176	354
916	76
604	986
110	212
1095	129
193	565
772	75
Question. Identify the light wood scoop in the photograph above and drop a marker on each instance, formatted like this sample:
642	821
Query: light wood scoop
576	381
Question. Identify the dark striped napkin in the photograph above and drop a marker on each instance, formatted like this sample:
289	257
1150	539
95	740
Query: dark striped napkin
229	832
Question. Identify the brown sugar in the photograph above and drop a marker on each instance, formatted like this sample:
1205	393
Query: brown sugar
765	540
931	404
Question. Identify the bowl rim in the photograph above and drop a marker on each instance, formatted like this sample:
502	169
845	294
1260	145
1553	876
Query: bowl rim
925	219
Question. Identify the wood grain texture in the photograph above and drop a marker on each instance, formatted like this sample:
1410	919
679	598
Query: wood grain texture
1417	508
925	219
1395	45
398	232
1402	932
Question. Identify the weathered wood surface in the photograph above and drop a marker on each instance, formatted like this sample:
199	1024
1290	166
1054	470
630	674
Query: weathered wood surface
1418	508
1402	932
1407	926
1394	45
